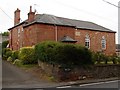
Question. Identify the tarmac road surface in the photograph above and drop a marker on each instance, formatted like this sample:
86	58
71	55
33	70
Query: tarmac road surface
105	84
13	77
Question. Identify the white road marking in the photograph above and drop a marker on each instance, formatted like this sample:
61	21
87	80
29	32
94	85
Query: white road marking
64	87
98	83
89	84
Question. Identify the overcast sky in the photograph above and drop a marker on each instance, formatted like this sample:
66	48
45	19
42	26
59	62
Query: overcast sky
96	11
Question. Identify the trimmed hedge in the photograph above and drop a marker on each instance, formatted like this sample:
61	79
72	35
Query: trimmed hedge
27	55
45	51
65	55
73	55
15	55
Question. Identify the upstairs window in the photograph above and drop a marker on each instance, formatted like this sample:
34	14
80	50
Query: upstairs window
103	43
19	32
87	41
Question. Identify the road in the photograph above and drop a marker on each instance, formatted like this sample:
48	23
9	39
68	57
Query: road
107	84
13	77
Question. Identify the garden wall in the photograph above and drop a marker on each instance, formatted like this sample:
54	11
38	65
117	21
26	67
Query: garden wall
92	72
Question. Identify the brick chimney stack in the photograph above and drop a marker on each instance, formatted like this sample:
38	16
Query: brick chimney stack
31	15
17	17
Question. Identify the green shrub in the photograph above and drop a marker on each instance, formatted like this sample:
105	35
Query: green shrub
5	34
114	59
27	55
15	54
9	59
99	57
118	59
17	62
106	59
45	51
65	55
4	44
69	55
6	52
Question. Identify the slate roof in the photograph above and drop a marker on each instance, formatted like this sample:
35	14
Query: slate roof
51	19
67	39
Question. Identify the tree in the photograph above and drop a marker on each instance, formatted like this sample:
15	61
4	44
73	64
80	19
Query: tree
5	33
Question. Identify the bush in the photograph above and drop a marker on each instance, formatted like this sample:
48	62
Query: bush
106	59
17	62
99	57
27	55
6	52
114	59
45	51
5	34
4	44
118	60
9	59
73	55
15	55
65	55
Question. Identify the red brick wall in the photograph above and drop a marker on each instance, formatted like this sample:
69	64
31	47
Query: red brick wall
15	40
30	35
48	32
95	40
43	32
65	31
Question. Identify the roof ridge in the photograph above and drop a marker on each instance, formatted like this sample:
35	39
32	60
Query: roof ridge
77	20
53	19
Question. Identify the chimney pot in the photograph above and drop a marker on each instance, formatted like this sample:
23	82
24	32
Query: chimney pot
17	16
31	15
30	8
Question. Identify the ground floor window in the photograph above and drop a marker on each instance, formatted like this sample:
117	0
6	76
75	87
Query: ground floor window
87	41
103	43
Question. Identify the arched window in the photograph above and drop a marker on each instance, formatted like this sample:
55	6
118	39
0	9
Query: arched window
87	41
103	42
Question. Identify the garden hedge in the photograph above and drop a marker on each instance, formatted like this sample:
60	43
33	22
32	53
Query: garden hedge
63	54
27	55
15	54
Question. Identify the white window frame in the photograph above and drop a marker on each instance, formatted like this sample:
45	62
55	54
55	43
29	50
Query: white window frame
103	43
18	32
87	41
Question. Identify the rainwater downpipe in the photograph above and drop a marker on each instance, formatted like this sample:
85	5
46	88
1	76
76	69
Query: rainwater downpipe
56	33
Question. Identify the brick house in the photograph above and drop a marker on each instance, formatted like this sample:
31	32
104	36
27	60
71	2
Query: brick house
42	27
